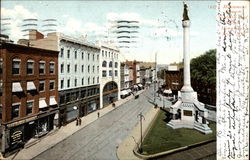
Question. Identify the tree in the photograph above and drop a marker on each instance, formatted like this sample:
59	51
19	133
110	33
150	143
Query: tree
203	68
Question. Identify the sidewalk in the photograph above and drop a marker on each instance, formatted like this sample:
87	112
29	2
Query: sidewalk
125	149
59	135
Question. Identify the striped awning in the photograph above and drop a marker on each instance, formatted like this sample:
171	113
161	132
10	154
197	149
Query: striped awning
16	87
42	103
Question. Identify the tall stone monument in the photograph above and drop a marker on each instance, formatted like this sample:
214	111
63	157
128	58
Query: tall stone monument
188	112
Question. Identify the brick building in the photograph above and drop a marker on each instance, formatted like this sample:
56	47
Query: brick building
29	94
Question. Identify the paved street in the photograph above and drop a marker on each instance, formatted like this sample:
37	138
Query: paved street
100	139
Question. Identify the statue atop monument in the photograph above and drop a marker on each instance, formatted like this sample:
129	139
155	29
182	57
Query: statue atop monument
185	13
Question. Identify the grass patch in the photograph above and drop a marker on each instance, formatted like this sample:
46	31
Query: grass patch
163	138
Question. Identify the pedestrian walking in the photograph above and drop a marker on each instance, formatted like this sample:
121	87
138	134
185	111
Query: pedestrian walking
98	114
113	104
76	121
80	121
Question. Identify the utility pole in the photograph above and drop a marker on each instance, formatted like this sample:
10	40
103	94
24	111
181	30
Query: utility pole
141	116
155	77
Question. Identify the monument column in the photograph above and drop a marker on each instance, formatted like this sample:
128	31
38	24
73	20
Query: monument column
186	25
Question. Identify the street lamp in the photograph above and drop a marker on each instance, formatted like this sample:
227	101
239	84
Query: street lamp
141	116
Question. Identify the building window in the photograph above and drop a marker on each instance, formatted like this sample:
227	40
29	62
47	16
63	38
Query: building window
82	55
88	56
97	69
116	64
112	55
104	73
75	67
88	68
82	81
51	68
109	54
116	73
88	81
68	54
93	57
41	67
82	68
93	69
62	50
30	66
102	53
62	68
98	57
75	54
97	80
93	80
29	107
68	68
110	72
68	83
110	64
15	110
105	53
104	64
51	84
62	83
41	86
75	82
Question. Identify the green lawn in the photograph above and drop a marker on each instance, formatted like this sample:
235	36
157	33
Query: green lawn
162	138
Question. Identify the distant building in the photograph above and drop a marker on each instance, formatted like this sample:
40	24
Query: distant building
110	74
29	94
147	72
78	66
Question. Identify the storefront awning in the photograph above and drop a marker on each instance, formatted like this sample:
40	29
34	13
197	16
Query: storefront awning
16	87
124	92
31	86
42	103
140	85
167	91
52	101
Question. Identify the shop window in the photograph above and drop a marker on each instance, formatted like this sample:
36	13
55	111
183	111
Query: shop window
104	73
51	67
83	93
104	64
62	52
15	110
42	67
51	84
41	86
16	66
29	107
67	97
30	67
62	99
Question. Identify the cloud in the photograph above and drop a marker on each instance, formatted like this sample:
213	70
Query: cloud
14	18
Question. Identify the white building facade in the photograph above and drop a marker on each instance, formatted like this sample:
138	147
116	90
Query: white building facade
109	75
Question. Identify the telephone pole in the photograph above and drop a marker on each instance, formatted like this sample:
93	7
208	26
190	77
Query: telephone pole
141	117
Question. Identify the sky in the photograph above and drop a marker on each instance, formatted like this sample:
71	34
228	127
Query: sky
160	23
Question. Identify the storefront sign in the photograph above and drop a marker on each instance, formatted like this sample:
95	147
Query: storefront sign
16	137
21	121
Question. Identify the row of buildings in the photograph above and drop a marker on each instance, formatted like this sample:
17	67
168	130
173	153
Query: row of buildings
47	82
